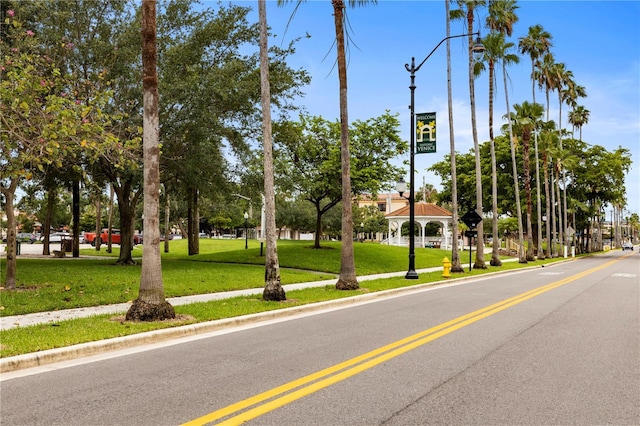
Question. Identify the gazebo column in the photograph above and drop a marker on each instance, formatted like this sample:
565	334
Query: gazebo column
445	233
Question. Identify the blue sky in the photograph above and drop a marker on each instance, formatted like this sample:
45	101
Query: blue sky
599	41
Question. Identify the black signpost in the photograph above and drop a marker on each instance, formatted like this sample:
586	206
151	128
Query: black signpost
471	219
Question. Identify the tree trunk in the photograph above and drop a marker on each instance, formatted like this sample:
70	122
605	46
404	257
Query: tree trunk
552	184
150	304
545	169
272	283
127	223
479	264
316	243
193	225
455	253
10	273
110	218
559	204
495	251
98	221
167	211
75	248
526	138
516	184
347	279
541	254
52	194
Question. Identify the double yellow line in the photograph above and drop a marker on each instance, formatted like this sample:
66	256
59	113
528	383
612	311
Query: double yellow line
342	371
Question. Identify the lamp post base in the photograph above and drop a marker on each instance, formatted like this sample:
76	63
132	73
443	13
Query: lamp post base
411	275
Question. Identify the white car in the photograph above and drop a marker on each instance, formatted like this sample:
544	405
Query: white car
627	246
57	237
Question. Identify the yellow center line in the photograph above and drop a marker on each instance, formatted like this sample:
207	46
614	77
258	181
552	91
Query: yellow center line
334	374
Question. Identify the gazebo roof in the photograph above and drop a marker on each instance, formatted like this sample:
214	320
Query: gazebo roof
422	209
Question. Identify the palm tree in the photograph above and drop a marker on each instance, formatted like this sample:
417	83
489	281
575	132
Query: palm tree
500	21
548	138
347	279
493	45
272	283
455	254
561	77
150	304
578	117
536	43
466	11
525	118
512	142
544	76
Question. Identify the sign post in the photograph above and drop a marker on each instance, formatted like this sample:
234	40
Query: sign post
471	219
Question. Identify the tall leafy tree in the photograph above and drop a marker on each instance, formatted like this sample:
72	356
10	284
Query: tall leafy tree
272	287
466	12
43	123
151	304
308	158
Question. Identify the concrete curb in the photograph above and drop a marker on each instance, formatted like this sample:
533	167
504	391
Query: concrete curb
37	359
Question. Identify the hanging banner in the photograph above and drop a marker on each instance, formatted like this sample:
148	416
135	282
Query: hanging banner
425	132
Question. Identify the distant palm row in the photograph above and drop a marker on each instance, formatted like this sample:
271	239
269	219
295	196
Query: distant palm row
571	181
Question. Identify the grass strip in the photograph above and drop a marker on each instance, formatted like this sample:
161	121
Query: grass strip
41	337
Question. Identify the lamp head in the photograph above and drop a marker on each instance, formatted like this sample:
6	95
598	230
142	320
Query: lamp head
478	49
401	186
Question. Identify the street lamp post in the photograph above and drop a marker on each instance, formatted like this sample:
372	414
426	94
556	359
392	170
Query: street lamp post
478	48
246	236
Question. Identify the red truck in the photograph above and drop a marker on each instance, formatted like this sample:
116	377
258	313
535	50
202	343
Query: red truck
90	237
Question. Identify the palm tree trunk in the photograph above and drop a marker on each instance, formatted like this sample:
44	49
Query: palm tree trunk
553	209
541	255
545	168
479	264
527	187
516	184
495	252
272	283
347	279
455	254
150	304
559	204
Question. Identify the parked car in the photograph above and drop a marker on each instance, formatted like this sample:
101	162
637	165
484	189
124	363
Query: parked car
23	237
627	246
56	237
90	237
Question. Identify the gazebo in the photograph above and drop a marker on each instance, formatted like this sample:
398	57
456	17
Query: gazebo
424	213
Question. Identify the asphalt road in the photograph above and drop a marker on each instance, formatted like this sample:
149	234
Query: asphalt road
554	345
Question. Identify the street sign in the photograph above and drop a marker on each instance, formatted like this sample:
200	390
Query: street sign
425	133
471	234
471	218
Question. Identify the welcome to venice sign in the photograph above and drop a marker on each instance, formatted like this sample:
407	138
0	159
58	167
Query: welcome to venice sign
425	133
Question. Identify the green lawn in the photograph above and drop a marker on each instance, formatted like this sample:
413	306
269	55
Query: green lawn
54	284
223	265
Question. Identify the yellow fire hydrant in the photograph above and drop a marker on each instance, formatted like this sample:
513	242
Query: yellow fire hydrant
446	268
